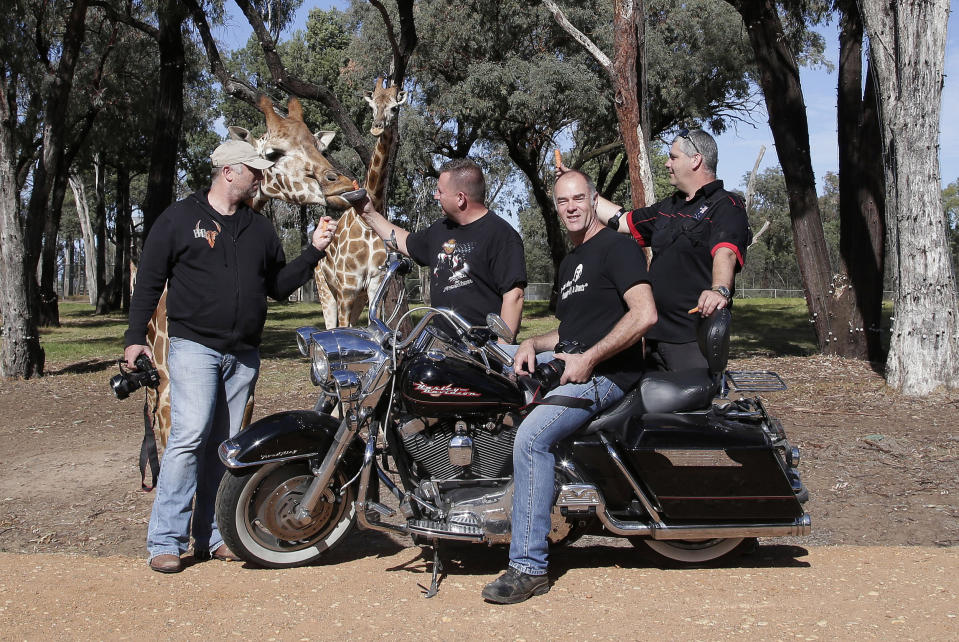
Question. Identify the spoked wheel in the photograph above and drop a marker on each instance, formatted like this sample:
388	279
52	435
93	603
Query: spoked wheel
689	552
255	512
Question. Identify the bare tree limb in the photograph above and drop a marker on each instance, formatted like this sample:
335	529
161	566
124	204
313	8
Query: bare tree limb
751	183
125	18
231	85
585	157
390	32
579	36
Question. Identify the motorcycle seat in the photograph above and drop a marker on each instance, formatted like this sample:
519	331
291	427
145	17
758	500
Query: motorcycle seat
679	391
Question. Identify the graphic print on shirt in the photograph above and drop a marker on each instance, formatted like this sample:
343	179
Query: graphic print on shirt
452	266
209	235
571	286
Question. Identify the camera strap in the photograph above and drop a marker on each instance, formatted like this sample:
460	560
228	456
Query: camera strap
539	399
148	448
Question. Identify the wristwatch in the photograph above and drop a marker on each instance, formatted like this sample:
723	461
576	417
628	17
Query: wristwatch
613	222
723	290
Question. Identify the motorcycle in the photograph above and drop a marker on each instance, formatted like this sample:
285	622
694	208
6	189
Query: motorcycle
678	466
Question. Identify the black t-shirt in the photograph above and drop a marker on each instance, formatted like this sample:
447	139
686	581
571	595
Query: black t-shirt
684	236
593	278
471	266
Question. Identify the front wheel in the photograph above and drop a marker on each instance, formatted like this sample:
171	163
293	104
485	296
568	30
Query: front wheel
688	552
255	510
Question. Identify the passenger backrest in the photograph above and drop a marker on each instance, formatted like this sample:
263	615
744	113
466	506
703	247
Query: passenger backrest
713	336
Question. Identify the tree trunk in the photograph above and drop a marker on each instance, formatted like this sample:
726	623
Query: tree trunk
100	235
20	353
626	18
779	79
123	233
89	245
69	254
858	284
908	43
49	309
169	113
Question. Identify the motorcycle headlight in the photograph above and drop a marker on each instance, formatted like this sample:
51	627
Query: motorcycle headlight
320	368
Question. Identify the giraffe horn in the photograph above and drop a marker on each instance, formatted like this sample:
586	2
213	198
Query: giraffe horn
294	109
381	83
266	106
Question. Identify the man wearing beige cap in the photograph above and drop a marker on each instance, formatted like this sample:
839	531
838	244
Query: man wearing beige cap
219	260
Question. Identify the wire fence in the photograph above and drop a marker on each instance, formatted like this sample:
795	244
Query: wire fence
541	292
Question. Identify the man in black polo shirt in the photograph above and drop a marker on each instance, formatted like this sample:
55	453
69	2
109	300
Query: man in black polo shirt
698	236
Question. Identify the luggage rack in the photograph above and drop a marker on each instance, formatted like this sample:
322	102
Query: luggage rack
755	380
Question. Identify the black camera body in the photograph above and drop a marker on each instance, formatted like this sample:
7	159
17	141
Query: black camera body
548	374
131	380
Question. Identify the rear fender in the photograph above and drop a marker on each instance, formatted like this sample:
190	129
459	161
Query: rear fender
285	436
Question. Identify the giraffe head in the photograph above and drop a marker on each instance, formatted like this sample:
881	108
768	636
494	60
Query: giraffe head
384	101
301	174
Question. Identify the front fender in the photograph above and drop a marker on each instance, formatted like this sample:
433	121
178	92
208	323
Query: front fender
294	434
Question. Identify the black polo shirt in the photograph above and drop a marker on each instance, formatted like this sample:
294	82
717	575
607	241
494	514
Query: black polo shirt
684	236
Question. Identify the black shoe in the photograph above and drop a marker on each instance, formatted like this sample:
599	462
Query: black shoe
513	586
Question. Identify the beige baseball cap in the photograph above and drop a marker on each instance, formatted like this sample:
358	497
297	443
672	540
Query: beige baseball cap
234	152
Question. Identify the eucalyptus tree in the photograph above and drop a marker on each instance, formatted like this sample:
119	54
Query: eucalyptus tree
21	236
907	45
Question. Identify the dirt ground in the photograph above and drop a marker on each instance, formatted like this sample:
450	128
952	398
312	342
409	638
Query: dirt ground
881	470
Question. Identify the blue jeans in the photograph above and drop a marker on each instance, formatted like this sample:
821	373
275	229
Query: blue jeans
208	394
534	491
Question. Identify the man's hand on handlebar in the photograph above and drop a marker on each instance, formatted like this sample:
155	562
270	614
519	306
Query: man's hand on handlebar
524	361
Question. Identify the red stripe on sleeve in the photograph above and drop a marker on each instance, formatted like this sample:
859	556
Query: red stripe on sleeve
632	230
739	256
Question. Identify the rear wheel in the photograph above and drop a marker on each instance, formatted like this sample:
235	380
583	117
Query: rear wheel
690	552
255	512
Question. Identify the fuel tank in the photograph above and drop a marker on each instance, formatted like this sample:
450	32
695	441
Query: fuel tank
446	384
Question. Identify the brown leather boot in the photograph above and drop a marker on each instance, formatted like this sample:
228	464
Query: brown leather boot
166	563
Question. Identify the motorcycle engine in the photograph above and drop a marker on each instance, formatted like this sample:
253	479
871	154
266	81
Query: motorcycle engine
466	448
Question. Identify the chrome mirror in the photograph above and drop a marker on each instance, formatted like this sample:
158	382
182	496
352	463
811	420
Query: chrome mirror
496	324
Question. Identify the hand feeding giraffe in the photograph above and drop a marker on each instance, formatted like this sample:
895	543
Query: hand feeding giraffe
301	175
349	274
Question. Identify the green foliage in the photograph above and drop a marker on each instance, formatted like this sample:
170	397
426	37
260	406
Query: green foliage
950	204
771	262
539	267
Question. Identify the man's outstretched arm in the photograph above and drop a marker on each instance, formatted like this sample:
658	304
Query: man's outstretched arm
391	234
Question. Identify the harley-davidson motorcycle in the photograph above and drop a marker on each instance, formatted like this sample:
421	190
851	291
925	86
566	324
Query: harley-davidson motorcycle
678	465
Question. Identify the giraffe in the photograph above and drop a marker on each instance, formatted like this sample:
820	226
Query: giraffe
301	174
348	276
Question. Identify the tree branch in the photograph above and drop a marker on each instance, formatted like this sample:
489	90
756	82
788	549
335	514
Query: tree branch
596	153
390	32
231	85
125	18
579	36
303	89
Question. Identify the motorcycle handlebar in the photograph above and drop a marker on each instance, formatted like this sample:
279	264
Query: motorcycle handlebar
476	338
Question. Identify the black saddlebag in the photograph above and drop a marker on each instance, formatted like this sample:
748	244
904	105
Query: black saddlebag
699	466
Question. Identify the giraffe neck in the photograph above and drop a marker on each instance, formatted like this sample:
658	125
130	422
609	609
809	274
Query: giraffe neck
376	176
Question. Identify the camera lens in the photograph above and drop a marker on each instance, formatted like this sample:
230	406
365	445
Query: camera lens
121	387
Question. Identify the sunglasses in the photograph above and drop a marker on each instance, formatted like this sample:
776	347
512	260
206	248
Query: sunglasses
684	133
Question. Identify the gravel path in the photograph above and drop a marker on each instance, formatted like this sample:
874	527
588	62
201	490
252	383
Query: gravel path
779	592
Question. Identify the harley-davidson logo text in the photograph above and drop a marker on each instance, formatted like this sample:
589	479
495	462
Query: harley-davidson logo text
448	389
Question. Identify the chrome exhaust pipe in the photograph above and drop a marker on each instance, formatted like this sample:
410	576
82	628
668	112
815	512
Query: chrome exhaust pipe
798	527
580	498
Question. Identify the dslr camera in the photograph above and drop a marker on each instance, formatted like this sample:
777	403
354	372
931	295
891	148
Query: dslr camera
131	380
548	374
